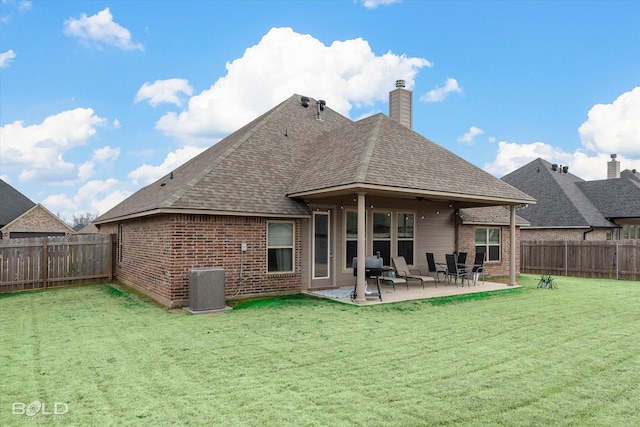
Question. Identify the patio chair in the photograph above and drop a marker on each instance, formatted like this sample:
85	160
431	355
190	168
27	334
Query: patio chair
403	271
435	268
478	267
373	270
462	259
455	271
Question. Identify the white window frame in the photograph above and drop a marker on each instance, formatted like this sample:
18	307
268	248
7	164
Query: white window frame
486	244
411	239
369	232
292	247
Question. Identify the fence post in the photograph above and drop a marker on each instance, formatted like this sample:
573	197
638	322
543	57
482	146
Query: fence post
45	263
110	256
566	259
617	260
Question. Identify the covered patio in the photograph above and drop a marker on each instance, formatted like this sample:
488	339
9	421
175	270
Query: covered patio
415	292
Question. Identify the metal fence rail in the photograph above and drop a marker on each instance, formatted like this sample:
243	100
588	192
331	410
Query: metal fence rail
601	259
45	262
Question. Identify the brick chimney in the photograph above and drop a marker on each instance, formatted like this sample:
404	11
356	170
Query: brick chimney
400	104
613	168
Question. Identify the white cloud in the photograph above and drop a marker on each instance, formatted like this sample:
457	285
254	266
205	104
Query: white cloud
284	62
469	137
614	128
106	153
372	4
99	30
6	58
95	197
146	174
39	148
162	91
100	156
511	156
24	5
440	93
610	128
116	124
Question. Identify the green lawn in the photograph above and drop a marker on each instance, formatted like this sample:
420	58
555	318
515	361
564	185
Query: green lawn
568	356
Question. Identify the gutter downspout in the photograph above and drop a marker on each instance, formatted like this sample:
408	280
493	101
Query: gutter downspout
584	234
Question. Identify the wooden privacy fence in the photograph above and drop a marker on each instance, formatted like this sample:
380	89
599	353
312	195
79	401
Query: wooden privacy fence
45	262
602	259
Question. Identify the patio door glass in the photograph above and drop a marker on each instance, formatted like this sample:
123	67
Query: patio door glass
321	245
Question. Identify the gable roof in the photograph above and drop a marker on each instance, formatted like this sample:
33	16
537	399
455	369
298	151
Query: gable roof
616	197
13	203
561	202
267	167
25	222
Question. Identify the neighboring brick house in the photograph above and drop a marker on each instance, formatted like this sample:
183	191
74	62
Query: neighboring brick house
287	201
570	208
20	217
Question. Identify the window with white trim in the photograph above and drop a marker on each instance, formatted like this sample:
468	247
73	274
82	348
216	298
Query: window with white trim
488	240
405	230
392	234
351	237
630	232
280	239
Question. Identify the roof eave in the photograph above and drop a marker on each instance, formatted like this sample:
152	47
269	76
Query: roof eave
214	212
375	189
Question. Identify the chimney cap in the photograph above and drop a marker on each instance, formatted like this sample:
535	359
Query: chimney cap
400	83
613	156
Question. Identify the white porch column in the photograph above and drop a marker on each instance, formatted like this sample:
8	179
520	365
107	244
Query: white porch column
512	247
361	280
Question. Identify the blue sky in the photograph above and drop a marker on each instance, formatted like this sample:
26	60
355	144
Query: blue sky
99	98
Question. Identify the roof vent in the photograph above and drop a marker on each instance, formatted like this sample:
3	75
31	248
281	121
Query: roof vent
319	107
400	83
565	169
305	101
554	167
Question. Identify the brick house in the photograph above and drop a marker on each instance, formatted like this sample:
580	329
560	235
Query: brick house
570	208
286	202
21	218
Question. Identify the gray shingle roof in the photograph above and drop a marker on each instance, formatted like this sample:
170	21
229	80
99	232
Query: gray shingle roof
12	203
615	198
255	170
378	151
247	172
560	199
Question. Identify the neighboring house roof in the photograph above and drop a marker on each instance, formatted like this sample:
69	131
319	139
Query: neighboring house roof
13	203
491	215
86	229
271	164
38	219
616	197
563	199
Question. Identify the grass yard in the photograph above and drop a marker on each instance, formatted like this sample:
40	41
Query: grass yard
529	357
